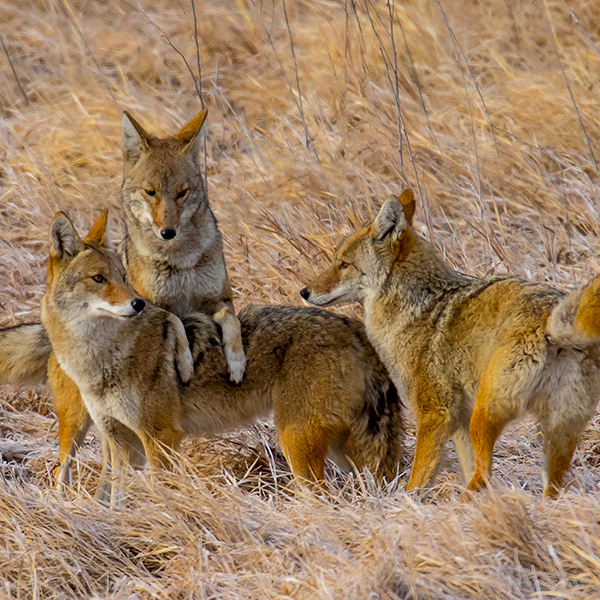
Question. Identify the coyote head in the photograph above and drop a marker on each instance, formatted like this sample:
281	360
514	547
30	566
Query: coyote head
163	187
85	277
363	260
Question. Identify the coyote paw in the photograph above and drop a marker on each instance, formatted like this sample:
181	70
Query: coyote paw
185	364
236	363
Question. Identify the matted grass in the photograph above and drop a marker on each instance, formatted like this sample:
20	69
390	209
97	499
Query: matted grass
504	151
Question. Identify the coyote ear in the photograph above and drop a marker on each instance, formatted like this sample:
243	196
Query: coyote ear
189	133
407	199
390	222
134	138
64	239
98	231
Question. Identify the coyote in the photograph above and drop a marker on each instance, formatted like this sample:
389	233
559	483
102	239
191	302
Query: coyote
173	256
146	383
471	354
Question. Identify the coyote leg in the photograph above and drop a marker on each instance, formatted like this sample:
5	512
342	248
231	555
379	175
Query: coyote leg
493	409
485	429
464	451
432	435
560	441
119	463
130	453
104	491
232	341
559	446
157	449
504	391
73	421
305	452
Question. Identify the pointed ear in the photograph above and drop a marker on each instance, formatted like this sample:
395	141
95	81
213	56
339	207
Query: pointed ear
134	138
65	242
407	199
188	135
390	222
97	233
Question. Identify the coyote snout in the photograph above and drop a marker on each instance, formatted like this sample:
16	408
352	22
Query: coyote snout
164	213
127	309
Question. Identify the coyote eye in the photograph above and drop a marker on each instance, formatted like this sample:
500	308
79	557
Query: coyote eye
344	265
182	194
150	193
99	278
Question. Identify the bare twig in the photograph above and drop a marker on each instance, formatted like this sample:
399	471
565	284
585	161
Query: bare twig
199	89
394	88
582	29
199	86
472	75
248	137
71	16
14	71
309	140
391	3
397	98
472	132
167	40
362	39
562	70
419	87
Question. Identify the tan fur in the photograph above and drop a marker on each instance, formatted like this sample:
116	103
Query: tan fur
472	354
317	371
24	352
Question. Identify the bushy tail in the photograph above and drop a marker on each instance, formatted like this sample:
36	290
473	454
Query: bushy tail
377	434
24	353
575	320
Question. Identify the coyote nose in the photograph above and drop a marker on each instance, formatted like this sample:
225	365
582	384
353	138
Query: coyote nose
168	234
138	305
305	293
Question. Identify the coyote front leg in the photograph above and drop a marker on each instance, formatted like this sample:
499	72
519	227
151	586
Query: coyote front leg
232	340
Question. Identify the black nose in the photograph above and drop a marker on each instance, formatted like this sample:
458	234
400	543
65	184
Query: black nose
305	293
138	305
168	234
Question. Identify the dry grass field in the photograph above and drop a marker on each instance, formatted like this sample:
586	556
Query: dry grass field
490	109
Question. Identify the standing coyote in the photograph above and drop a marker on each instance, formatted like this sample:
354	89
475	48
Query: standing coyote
142	383
472	354
173	255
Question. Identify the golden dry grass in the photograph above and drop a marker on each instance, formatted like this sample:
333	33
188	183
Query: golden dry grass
523	200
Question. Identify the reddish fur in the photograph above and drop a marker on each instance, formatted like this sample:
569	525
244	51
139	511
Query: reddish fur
587	319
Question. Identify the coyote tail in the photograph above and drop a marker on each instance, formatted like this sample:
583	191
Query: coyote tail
576	318
24	354
377	432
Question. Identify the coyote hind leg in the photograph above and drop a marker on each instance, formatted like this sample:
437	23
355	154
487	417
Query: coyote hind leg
305	452
464	451
433	431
